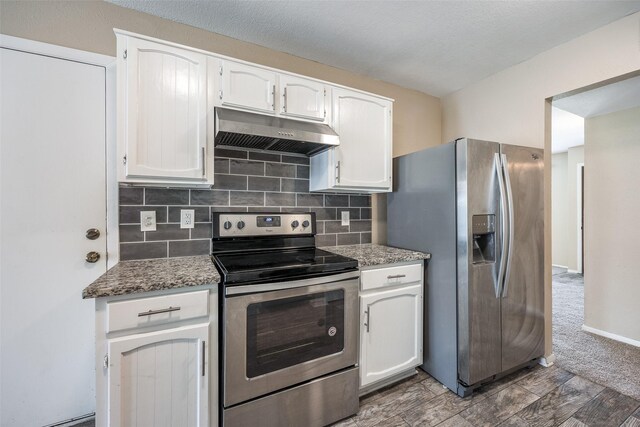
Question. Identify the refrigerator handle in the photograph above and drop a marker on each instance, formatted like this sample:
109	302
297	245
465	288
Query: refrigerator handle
503	223
505	167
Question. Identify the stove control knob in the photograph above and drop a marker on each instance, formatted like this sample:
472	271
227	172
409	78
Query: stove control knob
240	225
305	223
227	225
295	223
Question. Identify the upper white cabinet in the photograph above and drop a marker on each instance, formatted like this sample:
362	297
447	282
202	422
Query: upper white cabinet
362	161
162	112
302	98
247	87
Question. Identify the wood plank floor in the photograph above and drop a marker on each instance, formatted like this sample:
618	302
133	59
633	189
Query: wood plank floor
529	398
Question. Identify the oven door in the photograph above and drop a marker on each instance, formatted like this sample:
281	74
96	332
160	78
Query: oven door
288	333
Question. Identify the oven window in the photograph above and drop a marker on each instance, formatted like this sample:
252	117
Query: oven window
288	331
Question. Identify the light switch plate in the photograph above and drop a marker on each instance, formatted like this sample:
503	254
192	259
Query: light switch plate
345	217
147	220
187	218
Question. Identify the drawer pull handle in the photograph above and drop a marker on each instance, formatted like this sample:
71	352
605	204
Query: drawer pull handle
397	276
367	313
152	312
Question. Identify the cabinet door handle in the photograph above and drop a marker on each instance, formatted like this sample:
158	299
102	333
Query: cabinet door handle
396	276
367	313
204	162
163	310
338	172
284	100
273	98
203	355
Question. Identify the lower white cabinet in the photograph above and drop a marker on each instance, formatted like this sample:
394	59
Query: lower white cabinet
391	324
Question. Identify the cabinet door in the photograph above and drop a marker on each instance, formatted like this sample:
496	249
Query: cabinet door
302	98
391	333
160	378
165	112
247	87
363	158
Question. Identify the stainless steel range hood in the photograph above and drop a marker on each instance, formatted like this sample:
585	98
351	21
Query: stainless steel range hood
248	130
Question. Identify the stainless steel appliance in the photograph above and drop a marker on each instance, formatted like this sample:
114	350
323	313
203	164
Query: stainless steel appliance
289	324
477	206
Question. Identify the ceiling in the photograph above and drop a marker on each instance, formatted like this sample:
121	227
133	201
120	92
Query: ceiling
617	96
436	47
567	130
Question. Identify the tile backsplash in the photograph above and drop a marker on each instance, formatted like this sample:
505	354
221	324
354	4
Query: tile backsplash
244	181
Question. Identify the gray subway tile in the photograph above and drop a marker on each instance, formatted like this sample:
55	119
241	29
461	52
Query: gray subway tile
165	196
360	226
359	201
221	165
131	233
246	167
201	231
131	214
143	250
319	227
302	160
262	183
229	182
227	209
302	172
326	240
365	213
167	232
349	239
335	227
246	198
280	199
130	195
325	214
295	185
309	200
189	248
337	200
262	209
201	213
209	197
233	154
296	210
267	157
278	169
365	237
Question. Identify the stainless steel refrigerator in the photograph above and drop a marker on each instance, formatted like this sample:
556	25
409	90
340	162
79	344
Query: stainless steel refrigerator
477	207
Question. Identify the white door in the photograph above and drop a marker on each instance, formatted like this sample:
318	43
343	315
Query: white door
166	111
159	378
302	98
247	87
52	188
364	154
391	333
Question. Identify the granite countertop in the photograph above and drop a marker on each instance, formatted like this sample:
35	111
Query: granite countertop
131	277
370	254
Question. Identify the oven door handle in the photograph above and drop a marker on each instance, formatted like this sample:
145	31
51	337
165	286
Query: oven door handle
278	286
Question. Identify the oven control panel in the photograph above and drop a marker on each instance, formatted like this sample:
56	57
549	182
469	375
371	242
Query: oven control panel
244	224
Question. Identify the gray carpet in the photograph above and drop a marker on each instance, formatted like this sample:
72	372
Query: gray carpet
602	360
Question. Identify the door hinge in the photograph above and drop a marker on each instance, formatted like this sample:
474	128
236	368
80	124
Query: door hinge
105	361
220	69
124	55
124	160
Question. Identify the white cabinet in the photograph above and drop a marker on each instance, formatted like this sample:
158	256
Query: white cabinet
362	161
391	324
162	114
302	98
160	378
247	87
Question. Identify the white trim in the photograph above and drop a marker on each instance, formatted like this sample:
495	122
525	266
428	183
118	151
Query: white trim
61	52
560	266
609	335
547	361
579	223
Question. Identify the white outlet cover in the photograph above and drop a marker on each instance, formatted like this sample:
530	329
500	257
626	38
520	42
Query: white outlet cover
345	217
147	220
187	218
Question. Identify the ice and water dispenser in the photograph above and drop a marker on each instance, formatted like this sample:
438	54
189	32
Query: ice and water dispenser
483	229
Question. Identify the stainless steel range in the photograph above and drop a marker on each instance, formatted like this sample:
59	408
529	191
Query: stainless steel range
290	322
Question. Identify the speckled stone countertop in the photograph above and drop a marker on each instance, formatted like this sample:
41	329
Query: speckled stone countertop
370	254
131	277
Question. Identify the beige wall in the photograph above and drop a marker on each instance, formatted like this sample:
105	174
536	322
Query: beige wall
574	158
559	205
612	150
511	107
88	25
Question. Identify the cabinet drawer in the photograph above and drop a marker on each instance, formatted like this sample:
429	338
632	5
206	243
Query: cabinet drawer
391	276
143	312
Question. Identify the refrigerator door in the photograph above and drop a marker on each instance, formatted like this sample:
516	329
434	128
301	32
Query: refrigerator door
479	247
523	291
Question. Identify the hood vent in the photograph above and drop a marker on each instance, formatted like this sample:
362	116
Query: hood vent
249	130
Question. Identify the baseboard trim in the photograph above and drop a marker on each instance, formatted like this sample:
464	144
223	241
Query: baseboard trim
560	266
609	335
547	361
572	271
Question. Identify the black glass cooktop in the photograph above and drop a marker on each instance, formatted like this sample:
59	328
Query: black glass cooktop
279	265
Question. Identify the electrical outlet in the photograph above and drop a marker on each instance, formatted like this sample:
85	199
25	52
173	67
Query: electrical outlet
345	217
147	220
187	218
